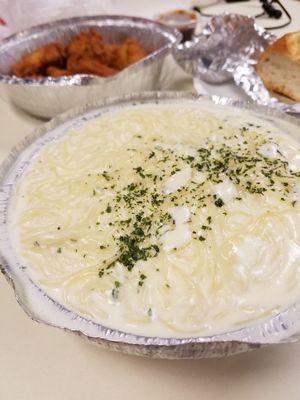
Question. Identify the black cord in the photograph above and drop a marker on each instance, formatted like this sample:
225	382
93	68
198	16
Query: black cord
285	12
198	9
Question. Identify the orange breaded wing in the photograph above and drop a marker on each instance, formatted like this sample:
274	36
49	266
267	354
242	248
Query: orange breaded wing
106	53
57	72
86	53
89	65
128	53
90	43
84	42
134	51
35	63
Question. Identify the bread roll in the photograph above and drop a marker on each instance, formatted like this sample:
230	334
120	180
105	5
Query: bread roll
279	66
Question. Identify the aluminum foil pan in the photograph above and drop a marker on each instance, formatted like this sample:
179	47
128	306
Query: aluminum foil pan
49	96
284	327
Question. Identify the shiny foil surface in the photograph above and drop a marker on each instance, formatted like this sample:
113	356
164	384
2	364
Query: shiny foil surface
224	41
48	97
245	76
283	327
228	48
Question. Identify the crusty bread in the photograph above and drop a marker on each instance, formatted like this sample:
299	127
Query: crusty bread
279	66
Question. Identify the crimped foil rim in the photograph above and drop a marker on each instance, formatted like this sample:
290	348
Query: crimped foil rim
287	321
87	79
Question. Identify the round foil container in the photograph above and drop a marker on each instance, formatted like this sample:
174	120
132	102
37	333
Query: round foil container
48	97
283	327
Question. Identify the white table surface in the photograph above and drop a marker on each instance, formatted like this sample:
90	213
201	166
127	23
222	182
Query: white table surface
38	362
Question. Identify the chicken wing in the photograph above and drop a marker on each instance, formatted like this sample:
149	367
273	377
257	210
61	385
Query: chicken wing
128	53
35	64
89	65
56	72
90	43
86	53
83	43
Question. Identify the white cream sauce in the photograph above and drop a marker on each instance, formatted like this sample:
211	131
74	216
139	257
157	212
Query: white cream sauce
181	234
226	191
178	180
205	267
268	150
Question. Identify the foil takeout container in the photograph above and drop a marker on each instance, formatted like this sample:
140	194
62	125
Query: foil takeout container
228	48
48	97
283	327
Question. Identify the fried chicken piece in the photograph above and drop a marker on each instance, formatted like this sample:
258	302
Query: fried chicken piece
89	65
86	53
36	76
128	53
57	72
107	54
90	43
36	62
83	43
